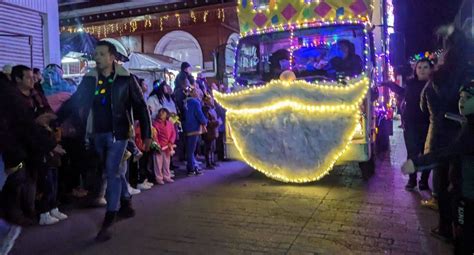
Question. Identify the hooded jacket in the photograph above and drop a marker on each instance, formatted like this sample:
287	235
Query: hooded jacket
125	95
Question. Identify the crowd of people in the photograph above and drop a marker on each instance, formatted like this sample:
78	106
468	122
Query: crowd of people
101	142
438	143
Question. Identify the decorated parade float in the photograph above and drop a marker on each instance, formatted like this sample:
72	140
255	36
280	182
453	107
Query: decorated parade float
321	112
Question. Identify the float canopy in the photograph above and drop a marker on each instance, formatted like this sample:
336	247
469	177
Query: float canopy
261	14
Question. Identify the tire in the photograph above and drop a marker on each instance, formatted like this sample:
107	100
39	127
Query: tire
367	168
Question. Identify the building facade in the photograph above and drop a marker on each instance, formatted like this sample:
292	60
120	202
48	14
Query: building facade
192	31
29	32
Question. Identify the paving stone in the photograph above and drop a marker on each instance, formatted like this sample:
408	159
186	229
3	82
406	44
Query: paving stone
235	210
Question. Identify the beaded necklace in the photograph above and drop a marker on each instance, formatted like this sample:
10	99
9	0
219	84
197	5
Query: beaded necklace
101	89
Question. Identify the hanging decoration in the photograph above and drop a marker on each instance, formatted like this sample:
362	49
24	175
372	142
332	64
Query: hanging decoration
147	22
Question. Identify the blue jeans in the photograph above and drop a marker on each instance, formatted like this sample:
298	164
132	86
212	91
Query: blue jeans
191	143
48	185
111	152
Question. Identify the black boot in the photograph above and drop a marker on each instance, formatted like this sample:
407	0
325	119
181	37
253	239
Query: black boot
104	233
126	211
411	183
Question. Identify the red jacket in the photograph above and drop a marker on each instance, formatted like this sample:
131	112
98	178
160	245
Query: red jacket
138	137
166	133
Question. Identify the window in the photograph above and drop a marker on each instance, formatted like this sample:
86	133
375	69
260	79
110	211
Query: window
318	53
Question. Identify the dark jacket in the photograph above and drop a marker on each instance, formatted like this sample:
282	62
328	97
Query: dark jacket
21	139
126	96
439	97
411	95
212	124
463	148
179	91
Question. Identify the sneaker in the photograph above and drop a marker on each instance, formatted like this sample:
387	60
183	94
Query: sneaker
190	173
143	186
57	214
197	172
160	182
8	235
169	180
150	184
172	175
47	219
133	191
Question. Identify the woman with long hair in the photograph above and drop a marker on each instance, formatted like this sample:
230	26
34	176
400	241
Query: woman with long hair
415	122
161	97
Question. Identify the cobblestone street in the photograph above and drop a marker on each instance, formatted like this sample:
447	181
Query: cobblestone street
236	210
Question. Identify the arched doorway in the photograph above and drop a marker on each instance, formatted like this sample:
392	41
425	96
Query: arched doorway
182	46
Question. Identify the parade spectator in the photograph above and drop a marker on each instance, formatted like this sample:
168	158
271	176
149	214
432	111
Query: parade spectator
438	98
48	177
38	108
7	70
105	98
56	89
37	76
142	166
194	125
220	142
180	85
463	191
183	79
161	97
166	136
415	122
212	133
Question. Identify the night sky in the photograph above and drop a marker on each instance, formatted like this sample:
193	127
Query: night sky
418	20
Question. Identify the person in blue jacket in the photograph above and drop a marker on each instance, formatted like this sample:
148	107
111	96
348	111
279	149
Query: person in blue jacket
194	125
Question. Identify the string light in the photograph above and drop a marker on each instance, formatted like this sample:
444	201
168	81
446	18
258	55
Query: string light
319	101
147	22
161	21
193	16
344	101
178	18
129	25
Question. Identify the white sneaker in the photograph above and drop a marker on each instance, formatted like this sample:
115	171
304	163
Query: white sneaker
143	186
57	214
149	184
8	235
133	191
172	175
47	219
101	201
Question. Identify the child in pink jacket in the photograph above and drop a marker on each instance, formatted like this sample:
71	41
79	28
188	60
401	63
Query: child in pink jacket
166	136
